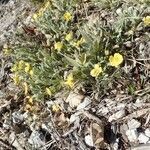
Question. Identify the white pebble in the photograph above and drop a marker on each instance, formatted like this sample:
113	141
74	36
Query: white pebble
147	132
132	135
133	124
120	106
117	115
85	104
104	110
143	138
89	140
74	117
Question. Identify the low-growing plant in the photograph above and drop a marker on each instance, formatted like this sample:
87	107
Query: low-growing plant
66	49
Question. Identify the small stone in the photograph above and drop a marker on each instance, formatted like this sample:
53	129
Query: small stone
89	140
123	129
74	99
138	101
116	145
85	104
36	139
120	106
14	141
7	124
143	138
104	110
25	115
117	115
147	132
132	135
74	117
133	124
17	117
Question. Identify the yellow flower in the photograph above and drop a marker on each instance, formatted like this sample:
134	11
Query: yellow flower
25	88
96	71
69	36
27	67
116	60
48	91
16	79
146	21
58	46
70	80
55	107
67	16
20	64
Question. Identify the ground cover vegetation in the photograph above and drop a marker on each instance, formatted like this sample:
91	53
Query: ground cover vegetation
72	45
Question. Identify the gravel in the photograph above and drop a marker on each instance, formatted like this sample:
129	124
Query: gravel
12	15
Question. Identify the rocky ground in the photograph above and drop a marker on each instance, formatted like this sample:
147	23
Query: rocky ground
114	121
12	14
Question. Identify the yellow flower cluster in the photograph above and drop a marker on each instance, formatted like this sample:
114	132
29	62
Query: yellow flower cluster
58	46
28	69
116	60
21	66
67	16
96	70
146	21
70	81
